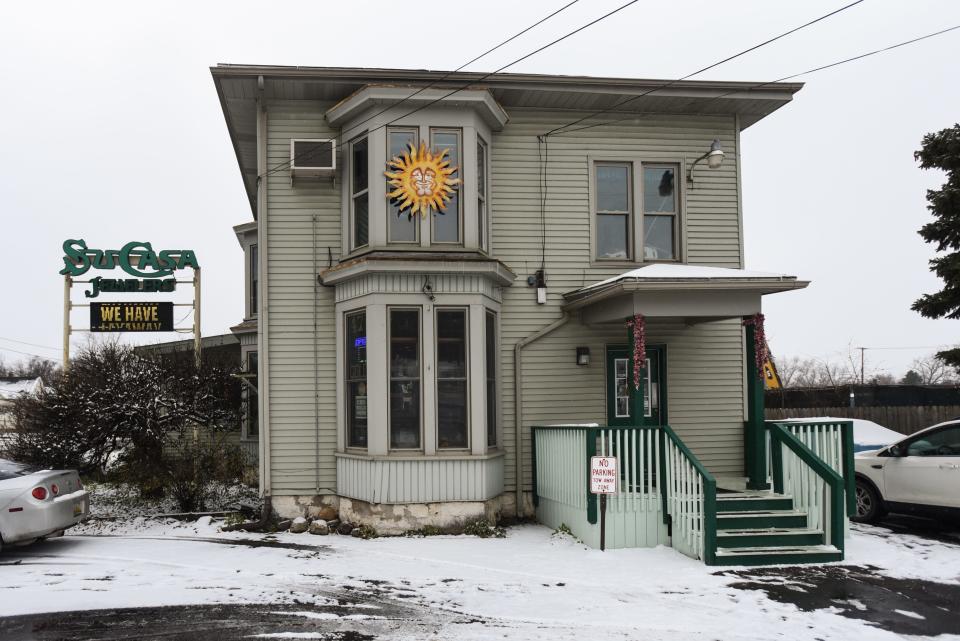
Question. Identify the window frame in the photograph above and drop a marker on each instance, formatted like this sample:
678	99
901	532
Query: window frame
629	215
492	375
460	204
253	279
353	195
251	414
675	215
388	207
637	161
483	195
465	310
347	380
389	309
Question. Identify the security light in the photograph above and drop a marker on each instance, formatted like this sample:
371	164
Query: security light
714	159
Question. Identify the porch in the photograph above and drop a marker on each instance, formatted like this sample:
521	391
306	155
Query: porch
668	497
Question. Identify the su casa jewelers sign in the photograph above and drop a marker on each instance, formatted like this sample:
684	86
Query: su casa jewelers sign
150	269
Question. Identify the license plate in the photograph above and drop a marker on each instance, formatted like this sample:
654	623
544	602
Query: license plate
78	508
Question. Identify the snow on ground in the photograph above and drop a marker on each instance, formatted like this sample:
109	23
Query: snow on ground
531	585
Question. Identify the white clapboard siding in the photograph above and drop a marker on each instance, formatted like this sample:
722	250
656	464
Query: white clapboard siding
419	480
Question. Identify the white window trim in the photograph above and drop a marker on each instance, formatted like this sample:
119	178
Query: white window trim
352	195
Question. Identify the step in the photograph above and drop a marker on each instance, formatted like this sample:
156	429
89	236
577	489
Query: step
769	537
778	555
751	502
761	519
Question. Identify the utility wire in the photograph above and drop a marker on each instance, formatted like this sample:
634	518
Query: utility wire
13	340
783	79
16	351
702	70
284	164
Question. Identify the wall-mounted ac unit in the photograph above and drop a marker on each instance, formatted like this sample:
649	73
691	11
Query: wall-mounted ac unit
316	157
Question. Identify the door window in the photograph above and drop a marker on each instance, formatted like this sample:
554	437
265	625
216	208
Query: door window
621	385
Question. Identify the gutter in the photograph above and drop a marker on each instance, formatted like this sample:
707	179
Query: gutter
518	398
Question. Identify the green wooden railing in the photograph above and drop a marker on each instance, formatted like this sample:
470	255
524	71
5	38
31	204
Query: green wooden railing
689	499
813	484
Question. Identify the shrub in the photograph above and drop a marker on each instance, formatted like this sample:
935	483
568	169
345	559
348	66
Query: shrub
483	529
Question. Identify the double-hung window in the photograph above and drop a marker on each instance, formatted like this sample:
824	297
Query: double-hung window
490	348
452	405
254	279
253	404
659	212
482	224
614	207
401	226
446	227
356	378
359	193
404	378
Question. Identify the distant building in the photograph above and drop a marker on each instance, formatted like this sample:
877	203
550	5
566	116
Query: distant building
12	387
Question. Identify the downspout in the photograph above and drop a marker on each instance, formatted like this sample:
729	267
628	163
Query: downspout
263	314
518	398
316	367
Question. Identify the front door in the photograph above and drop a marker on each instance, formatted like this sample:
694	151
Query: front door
625	404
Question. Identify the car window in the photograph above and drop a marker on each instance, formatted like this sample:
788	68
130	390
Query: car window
945	442
12	469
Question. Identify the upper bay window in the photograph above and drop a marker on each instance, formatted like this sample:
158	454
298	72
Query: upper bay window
401	226
446	224
359	193
619	229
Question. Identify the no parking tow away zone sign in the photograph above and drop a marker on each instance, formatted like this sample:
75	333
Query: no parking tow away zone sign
603	475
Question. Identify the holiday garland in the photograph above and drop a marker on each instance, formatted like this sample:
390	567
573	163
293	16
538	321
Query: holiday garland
759	342
639	327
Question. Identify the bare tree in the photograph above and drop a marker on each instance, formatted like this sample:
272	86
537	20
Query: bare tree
933	371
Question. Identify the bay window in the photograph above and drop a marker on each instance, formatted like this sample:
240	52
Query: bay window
359	193
445	225
490	367
452	406
401	227
482	194
404	378
356	378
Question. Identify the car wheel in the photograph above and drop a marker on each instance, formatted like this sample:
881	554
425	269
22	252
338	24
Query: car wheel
869	505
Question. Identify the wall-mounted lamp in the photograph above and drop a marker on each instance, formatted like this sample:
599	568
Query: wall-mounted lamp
714	159
583	356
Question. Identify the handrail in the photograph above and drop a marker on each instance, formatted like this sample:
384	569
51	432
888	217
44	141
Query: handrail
834	512
705	501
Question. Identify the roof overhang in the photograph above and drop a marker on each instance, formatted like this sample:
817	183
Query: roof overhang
678	291
422	263
238	87
480	100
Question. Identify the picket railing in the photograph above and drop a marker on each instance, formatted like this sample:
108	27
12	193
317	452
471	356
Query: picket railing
813	484
689	496
831	442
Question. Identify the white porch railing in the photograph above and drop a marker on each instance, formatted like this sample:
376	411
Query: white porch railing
691	500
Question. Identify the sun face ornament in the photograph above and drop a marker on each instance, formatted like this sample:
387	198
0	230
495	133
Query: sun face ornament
421	180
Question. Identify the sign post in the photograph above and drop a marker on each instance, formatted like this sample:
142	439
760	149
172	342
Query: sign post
603	481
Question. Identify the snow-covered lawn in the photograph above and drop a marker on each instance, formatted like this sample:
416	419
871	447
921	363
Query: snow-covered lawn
531	585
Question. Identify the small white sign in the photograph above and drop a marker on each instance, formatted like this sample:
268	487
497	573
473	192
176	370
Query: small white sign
603	475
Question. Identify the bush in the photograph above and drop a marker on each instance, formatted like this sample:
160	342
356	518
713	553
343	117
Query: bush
483	529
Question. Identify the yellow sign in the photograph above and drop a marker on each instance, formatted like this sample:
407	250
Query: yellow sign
771	379
421	180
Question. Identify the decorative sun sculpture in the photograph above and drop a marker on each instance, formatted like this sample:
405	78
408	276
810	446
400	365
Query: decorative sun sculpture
421	181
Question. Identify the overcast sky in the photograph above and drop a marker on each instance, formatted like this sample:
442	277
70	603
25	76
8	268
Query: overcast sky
111	131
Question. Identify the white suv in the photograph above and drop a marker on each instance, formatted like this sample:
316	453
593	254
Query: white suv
919	474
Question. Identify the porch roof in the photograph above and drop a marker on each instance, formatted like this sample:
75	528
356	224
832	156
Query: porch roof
679	291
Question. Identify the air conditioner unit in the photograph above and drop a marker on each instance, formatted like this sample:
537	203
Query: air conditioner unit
316	157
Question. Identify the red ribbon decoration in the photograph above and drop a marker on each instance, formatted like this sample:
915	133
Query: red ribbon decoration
761	355
639	327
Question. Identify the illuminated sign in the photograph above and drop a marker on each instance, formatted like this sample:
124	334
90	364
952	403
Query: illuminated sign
152	270
360	342
131	317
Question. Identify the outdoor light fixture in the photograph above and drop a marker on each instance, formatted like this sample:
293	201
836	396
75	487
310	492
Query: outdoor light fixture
583	356
714	159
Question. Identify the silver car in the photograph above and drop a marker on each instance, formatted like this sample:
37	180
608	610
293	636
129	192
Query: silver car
37	503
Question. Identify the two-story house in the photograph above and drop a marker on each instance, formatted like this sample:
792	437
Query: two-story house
404	355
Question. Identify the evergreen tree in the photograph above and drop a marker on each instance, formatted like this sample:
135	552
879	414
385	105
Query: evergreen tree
911	378
941	150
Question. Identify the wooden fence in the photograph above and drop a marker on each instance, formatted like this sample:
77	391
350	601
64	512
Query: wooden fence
905	420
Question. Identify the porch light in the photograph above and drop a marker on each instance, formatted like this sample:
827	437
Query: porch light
714	159
583	356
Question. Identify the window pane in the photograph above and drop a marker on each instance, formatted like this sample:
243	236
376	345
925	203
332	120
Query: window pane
612	232
491	366
356	379
658	237
481	169
452	378
404	378
659	192
361	215
613	188
446	224
403	228
359	163
254	279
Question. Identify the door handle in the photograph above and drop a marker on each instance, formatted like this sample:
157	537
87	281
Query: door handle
878	466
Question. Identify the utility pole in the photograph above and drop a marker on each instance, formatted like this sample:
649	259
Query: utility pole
862	350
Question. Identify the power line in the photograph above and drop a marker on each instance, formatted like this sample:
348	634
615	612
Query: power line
783	79
16	351
284	164
13	340
707	68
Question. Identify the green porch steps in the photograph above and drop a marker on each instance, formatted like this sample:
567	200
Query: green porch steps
763	528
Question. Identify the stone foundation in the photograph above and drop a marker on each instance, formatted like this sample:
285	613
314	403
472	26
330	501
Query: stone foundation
391	520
